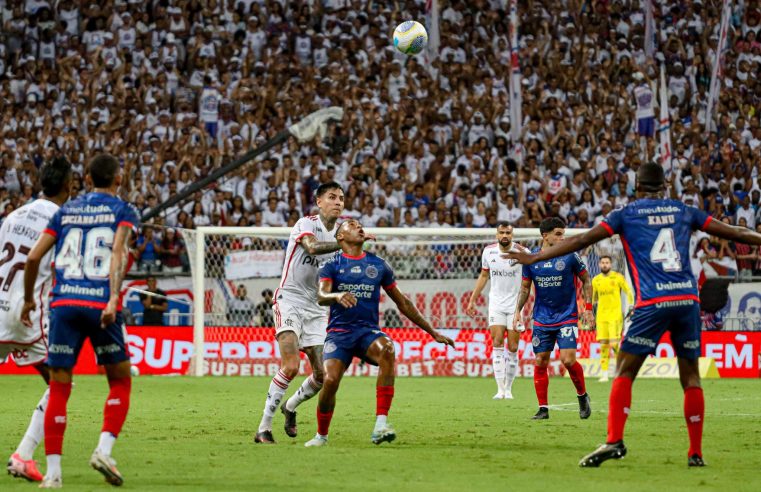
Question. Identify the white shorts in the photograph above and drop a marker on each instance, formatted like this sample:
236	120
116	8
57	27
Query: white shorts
309	326
25	355
501	318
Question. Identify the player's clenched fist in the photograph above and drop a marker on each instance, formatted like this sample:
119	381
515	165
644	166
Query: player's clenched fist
589	319
471	310
347	300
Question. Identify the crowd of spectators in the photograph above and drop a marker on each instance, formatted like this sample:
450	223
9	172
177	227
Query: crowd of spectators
175	88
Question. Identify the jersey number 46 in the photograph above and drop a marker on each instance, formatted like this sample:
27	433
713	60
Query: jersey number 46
95	262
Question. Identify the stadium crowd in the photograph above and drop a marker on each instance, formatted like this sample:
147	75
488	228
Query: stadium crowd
176	88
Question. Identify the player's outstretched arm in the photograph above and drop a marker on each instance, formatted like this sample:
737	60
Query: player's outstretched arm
315	247
326	296
733	233
31	269
116	274
568	245
408	309
480	284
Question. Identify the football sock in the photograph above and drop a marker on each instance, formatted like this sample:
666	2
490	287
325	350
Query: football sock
307	390
618	408
577	376
55	418
106	443
277	389
541	384
383	397
498	362
604	358
35	433
117	406
323	422
694	409
511	371
54	465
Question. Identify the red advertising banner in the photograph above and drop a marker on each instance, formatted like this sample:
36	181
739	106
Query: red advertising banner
232	351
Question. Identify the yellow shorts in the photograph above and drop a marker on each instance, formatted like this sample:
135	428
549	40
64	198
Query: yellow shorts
609	330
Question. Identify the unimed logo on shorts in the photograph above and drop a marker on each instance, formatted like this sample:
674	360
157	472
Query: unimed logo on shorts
60	349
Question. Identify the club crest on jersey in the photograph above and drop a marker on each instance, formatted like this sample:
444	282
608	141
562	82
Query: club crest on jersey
356	269
371	272
560	265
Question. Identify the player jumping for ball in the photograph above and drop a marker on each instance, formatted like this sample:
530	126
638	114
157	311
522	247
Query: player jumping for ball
556	314
505	285
28	347
606	289
299	321
91	237
656	234
350	284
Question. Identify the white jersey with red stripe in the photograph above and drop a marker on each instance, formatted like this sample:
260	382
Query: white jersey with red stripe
18	234
505	276
298	285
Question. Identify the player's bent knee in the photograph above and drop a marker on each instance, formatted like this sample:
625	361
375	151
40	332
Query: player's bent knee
290	366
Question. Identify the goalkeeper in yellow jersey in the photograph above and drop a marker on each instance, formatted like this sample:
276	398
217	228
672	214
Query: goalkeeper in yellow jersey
606	290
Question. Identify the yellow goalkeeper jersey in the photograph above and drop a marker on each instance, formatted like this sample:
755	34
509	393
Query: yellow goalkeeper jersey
607	290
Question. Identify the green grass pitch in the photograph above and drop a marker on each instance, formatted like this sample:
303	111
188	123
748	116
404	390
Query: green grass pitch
196	434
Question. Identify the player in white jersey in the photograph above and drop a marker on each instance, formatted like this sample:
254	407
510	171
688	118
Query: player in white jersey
505	278
28	347
300	322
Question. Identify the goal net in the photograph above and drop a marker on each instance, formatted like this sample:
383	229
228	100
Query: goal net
234	270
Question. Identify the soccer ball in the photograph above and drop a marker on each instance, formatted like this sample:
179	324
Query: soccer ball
410	37
134	371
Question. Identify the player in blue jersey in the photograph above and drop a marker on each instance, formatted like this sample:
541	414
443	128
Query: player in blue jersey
556	315
656	234
91	236
350	283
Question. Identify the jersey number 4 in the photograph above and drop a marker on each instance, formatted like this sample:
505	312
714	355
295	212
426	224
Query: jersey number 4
664	251
95	262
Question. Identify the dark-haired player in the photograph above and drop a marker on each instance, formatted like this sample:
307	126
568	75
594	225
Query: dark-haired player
556	314
350	283
91	236
300	322
606	289
28	347
656	234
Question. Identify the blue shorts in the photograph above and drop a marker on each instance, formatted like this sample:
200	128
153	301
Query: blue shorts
70	326
646	126
545	337
345	345
649	323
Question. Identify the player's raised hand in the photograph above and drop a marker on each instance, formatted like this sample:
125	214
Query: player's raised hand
521	257
443	339
26	311
347	300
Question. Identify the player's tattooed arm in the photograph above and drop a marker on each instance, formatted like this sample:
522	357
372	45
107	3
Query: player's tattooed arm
117	272
411	311
326	296
522	300
315	247
587	295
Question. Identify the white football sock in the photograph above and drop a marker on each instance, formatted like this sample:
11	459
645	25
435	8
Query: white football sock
106	443
54	466
278	386
36	430
307	390
380	421
512	370
498	362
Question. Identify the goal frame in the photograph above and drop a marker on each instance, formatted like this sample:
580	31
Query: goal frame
198	260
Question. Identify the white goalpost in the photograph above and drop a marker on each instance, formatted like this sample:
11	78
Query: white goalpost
435	267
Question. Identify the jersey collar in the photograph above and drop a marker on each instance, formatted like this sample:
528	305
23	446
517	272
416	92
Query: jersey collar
354	257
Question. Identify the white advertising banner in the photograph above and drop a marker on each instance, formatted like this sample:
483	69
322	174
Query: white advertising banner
253	264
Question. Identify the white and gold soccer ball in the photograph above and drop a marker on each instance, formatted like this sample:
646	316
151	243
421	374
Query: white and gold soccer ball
410	37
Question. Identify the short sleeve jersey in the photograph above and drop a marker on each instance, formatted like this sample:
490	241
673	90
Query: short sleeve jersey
505	277
363	276
298	284
555	289
84	229
656	234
